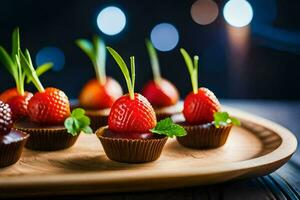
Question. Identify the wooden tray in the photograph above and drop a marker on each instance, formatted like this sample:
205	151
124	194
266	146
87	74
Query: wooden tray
257	148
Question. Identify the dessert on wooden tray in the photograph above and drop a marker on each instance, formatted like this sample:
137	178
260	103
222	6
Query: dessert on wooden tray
206	125
133	134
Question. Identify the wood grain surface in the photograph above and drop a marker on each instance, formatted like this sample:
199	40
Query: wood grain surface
257	148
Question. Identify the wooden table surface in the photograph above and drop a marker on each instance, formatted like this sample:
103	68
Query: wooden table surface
282	184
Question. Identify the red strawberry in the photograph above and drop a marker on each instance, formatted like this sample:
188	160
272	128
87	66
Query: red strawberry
8	94
49	107
200	108
5	118
97	96
131	115
18	105
162	94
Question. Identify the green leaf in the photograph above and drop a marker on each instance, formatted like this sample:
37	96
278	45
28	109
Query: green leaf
132	70
78	122
8	62
87	47
41	70
79	112
96	51
154	61
235	121
192	68
121	63
29	70
169	128
100	58
16	43
223	119
87	130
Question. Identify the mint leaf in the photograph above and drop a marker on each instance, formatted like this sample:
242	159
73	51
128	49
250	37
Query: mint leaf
235	121
78	122
79	112
223	119
169	128
87	130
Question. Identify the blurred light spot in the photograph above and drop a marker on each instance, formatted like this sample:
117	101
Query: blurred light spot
238	13
204	11
51	54
111	20
164	37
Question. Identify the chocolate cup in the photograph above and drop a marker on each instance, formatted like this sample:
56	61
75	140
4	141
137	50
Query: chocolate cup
204	136
168	111
46	138
98	118
11	147
131	150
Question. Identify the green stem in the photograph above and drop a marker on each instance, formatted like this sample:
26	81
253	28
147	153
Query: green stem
130	80
99	55
154	62
132	69
30	71
195	75
18	79
192	68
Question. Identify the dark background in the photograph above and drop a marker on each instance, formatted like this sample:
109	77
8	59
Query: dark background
268	69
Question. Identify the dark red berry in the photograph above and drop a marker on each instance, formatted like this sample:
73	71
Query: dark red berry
6	121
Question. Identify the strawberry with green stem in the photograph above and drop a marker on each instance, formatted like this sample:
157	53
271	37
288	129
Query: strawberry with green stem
51	106
99	93
47	106
17	97
159	91
201	105
132	113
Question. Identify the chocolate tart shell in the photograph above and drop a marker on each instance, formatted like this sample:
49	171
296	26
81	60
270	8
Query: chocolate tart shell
168	111
47	138
204	136
11	147
131	150
98	118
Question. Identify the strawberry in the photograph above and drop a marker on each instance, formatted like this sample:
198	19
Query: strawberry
160	92
98	93
8	94
17	97
19	104
5	118
131	115
95	95
199	108
50	106
201	104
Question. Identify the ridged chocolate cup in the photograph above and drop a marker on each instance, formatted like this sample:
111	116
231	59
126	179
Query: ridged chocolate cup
168	111
46	138
131	150
98	118
204	136
11	147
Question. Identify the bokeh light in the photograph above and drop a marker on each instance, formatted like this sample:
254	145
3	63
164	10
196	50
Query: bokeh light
204	12
164	37
51	54
238	13
111	20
